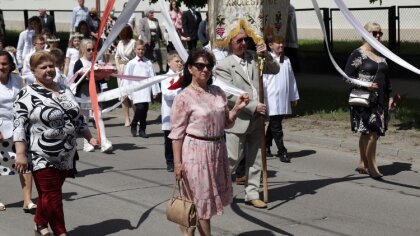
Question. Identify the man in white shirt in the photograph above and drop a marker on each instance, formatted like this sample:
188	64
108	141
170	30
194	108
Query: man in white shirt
79	13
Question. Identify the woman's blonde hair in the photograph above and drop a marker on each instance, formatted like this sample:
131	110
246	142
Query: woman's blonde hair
39	57
372	26
83	45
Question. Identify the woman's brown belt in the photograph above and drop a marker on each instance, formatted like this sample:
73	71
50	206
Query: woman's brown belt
214	139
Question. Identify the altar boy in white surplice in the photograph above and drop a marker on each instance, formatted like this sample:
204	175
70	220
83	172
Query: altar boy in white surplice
168	95
140	66
281	94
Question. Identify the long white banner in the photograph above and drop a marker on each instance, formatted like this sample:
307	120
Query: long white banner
337	67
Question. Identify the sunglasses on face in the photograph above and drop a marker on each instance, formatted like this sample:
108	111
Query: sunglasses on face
200	66
242	40
89	49
376	33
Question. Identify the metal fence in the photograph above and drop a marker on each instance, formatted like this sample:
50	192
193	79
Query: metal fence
400	25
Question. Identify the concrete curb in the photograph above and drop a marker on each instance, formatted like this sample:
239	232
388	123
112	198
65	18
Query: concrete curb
347	145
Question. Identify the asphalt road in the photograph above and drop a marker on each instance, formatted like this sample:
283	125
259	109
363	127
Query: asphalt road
319	193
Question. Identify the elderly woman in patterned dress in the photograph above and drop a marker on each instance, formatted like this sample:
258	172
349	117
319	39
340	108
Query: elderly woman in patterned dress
47	122
366	64
198	120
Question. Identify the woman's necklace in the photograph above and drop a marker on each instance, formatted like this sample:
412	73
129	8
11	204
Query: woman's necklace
199	89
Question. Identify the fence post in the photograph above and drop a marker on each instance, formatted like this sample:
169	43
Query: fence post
3	27
392	29
326	18
25	18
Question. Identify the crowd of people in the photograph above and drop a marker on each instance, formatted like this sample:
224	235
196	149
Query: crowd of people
208	135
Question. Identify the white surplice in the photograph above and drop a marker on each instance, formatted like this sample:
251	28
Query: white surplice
280	89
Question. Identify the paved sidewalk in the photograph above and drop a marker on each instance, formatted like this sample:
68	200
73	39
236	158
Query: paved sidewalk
350	143
407	150
125	193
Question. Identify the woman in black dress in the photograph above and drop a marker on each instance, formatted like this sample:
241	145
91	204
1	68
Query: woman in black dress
366	64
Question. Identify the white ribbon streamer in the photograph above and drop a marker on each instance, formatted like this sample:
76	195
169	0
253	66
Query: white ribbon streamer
108	109
372	41
182	52
227	88
337	67
125	91
173	35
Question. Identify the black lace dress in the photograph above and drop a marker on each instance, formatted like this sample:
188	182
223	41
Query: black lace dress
375	117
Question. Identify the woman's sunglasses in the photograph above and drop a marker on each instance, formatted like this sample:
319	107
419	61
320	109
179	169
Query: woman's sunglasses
89	50
376	33
200	66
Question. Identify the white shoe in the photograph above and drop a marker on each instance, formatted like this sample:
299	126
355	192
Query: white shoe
106	146
2	207
87	147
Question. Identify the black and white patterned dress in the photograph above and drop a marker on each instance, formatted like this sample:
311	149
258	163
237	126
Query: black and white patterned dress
49	130
375	117
8	94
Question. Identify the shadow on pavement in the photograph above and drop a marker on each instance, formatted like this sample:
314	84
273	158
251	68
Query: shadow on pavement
113	226
395	168
286	194
297	189
257	233
301	153
69	196
93	171
126	146
154	135
271	228
106	227
119	125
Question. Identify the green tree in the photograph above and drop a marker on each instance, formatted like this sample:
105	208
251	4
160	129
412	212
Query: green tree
189	3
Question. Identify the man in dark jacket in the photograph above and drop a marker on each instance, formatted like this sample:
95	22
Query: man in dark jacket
190	21
47	21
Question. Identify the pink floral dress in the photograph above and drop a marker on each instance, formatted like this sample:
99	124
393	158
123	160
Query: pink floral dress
205	164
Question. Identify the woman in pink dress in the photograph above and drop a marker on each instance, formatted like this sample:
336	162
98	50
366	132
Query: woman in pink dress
198	120
176	16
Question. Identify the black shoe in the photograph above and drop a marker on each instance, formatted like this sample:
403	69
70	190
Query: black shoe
268	152
133	131
143	134
283	157
170	168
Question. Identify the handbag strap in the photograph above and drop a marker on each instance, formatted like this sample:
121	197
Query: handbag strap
180	183
374	78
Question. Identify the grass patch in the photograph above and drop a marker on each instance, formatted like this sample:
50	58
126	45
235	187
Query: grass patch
332	105
322	104
408	114
316	45
409	47
155	106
